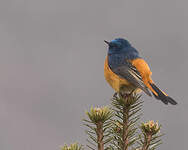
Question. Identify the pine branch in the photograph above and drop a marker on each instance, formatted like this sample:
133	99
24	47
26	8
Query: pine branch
127	111
125	128
150	131
116	128
100	136
74	146
99	125
147	142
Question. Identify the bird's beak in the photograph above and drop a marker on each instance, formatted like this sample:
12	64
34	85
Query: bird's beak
106	42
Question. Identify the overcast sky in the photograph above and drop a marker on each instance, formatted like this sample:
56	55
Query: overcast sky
51	61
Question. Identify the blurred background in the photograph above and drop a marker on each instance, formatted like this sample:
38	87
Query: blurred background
51	61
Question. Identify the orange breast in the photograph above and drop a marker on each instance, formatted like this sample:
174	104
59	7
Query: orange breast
114	80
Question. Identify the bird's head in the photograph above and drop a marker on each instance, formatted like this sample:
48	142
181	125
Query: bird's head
118	45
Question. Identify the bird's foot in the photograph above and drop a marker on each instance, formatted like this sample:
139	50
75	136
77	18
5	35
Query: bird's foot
115	94
126	95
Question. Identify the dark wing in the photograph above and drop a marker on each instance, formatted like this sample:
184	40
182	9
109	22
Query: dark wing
131	74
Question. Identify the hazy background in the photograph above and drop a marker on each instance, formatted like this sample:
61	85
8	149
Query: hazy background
51	66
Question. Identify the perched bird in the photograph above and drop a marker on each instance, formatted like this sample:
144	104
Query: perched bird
126	71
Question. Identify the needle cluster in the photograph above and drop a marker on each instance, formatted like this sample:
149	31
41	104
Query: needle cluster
118	127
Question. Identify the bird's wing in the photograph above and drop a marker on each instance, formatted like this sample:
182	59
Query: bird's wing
131	74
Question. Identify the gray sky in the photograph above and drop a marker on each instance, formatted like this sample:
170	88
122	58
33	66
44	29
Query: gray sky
51	61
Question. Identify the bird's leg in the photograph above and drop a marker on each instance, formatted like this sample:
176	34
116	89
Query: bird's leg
115	94
131	92
126	95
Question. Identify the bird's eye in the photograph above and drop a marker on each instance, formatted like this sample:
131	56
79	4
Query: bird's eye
112	45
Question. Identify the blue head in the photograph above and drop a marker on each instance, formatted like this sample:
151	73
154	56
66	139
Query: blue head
123	48
118	45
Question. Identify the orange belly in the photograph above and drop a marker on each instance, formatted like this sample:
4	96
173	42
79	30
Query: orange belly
116	82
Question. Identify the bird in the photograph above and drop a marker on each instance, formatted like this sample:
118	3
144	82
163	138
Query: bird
126	71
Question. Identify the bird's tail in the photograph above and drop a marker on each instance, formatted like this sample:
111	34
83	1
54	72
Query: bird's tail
159	94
